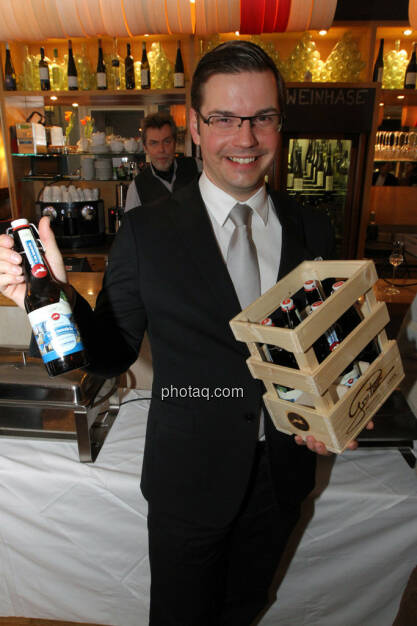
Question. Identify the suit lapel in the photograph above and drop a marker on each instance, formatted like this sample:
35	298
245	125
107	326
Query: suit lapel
292	248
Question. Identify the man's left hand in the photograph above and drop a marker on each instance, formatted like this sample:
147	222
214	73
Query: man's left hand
320	448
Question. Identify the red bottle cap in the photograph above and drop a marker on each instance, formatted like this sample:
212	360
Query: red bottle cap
316	304
287	304
310	285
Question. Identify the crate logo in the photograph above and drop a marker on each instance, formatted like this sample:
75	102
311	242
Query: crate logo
39	270
366	396
298	421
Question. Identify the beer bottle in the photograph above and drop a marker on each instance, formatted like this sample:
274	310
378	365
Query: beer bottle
348	322
313	292
329	342
49	311
287	359
275	354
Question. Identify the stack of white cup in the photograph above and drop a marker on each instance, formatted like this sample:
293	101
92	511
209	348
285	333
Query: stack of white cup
103	169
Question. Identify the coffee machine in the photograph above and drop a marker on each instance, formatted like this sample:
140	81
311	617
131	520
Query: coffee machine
115	213
75	224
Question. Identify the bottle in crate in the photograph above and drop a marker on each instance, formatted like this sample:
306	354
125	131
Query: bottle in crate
348	322
278	355
49	311
329	342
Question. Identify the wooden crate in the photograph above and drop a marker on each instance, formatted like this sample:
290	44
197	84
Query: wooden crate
332	419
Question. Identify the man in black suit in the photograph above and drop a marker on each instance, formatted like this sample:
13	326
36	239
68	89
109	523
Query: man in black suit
224	487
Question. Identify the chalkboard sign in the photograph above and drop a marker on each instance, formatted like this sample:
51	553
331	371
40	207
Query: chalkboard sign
315	109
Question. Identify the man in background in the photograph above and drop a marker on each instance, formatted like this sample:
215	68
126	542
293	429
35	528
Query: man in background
164	174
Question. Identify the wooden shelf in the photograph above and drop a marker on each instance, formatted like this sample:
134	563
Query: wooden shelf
391	96
98	97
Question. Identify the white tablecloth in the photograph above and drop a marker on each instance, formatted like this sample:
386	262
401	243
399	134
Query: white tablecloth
73	539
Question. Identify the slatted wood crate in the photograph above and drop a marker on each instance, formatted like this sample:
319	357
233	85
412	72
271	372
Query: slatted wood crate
333	418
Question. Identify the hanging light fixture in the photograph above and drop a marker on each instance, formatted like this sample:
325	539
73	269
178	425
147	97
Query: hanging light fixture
113	18
300	15
412	13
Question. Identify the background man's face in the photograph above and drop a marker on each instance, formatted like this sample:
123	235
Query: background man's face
237	163
160	146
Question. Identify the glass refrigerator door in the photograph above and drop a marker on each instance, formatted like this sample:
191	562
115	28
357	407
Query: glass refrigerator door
319	176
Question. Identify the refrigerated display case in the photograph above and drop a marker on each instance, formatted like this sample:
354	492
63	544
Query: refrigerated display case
318	176
325	158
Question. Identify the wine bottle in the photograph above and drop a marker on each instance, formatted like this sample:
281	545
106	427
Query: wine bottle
328	173
101	69
44	72
320	169
9	73
314	163
298	171
71	69
372	228
56	73
179	78
130	68
411	71
115	76
308	159
145	73
379	64
344	169
290	170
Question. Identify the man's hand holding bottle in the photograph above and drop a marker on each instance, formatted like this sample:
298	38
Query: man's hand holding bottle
12	283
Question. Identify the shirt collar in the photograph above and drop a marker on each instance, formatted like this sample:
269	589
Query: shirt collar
220	203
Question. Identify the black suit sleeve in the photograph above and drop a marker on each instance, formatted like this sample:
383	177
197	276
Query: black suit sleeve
113	332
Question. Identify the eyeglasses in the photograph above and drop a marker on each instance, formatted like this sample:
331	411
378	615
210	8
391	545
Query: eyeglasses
228	124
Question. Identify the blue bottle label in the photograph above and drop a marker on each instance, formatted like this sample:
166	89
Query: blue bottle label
55	331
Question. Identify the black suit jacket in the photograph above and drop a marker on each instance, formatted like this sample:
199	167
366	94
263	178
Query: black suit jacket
166	274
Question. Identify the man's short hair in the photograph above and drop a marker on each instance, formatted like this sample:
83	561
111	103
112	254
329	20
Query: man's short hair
158	120
233	57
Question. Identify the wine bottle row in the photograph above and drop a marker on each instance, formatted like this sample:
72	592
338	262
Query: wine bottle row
59	75
320	169
410	78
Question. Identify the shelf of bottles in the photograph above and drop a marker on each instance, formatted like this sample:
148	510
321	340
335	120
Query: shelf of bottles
317	175
75	72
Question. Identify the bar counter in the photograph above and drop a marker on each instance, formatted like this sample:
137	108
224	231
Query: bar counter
88	284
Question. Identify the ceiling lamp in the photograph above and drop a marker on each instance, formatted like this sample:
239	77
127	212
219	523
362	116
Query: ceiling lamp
278	16
300	15
322	14
113	18
69	18
37	20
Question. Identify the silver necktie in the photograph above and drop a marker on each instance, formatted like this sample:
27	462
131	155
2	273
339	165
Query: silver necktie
242	259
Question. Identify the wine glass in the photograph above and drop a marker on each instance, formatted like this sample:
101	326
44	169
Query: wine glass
395	258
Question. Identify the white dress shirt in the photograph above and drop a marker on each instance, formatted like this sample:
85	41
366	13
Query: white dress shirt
266	234
266	227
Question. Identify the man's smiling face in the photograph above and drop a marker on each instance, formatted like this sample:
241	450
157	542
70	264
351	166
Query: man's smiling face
237	162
